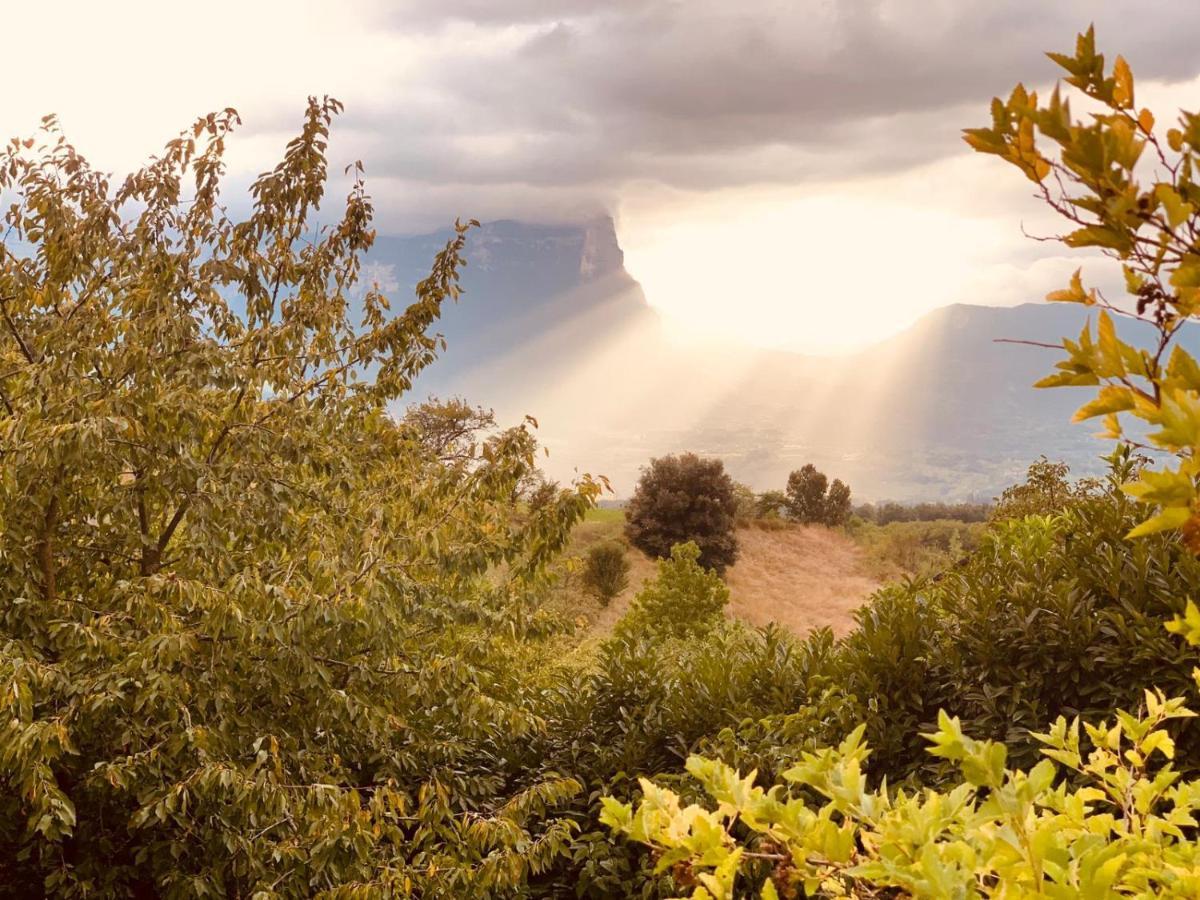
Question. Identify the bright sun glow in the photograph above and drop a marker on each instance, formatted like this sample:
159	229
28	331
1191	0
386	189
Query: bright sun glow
820	272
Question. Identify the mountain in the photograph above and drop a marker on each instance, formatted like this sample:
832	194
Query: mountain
533	297
552	325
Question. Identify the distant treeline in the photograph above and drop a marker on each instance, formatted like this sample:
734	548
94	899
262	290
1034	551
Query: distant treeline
890	511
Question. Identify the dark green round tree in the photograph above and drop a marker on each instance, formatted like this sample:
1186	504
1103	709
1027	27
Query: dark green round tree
685	498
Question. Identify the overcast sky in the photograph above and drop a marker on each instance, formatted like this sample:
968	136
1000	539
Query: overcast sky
826	133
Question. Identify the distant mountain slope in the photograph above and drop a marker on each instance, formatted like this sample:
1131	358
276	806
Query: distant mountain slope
942	410
552	325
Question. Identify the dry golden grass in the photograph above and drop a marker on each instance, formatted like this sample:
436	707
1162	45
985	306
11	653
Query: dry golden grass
803	577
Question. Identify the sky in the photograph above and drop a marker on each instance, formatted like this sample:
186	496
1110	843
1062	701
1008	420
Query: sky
787	173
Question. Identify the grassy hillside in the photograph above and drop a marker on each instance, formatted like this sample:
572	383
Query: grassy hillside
800	576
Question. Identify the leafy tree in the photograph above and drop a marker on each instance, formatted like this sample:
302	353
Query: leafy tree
606	571
684	498
1047	489
889	511
771	504
806	494
452	430
812	499
1123	187
746	502
226	573
837	504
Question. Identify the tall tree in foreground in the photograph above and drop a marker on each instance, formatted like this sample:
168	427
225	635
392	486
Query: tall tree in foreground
226	573
685	498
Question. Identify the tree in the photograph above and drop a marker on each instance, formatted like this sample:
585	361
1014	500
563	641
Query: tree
452	430
811	499
771	504
1144	213
1047	489
683	600
226	573
606	571
806	494
684	498
746	501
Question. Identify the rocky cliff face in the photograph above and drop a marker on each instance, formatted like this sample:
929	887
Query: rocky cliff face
534	296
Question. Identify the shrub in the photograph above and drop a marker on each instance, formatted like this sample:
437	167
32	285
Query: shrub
683	599
680	499
889	511
917	548
606	571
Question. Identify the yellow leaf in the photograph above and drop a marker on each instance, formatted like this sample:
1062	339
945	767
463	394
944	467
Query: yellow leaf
1122	84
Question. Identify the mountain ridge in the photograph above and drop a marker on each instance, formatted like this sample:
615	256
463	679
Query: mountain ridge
552	325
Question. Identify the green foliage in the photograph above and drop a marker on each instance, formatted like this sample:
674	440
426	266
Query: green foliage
606	571
1115	822
1045	491
1143	213
917	548
684	598
680	499
812	499
246	617
771	504
1056	617
746	502
1049	616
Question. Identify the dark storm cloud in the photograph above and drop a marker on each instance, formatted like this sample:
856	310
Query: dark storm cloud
699	94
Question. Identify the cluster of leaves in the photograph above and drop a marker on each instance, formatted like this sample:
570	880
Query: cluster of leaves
227	575
1131	193
684	599
680	499
1119	822
918	548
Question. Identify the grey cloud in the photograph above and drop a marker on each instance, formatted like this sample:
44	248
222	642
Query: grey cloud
584	95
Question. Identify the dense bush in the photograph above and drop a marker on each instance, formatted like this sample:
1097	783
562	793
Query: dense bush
1046	490
771	505
685	498
606	571
684	598
917	548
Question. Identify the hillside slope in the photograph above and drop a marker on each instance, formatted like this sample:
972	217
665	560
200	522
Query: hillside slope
802	577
